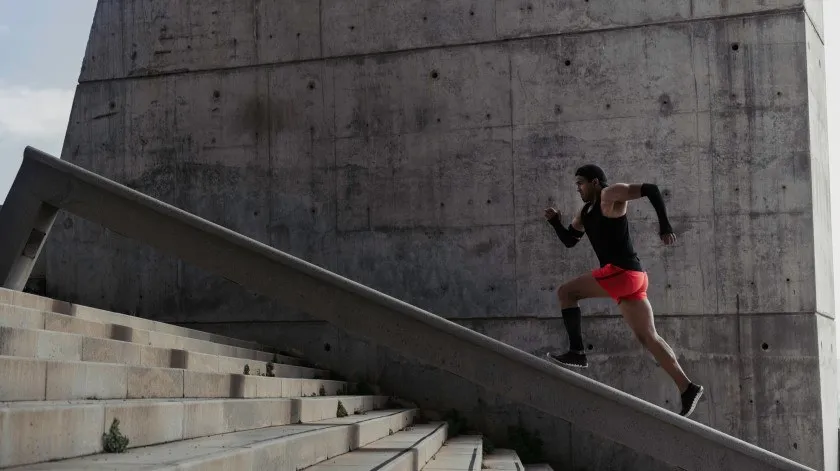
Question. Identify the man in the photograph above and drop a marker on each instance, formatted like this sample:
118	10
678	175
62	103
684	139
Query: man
621	276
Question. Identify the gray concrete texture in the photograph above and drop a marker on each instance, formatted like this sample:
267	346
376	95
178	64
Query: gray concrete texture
412	145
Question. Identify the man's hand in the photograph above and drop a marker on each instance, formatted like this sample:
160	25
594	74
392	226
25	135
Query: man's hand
551	213
668	238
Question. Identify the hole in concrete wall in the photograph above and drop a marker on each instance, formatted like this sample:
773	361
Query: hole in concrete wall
795	446
488	201
530	7
435	74
751	401
311	85
327	347
489	116
568	62
608	106
425	18
112	105
472	13
778	93
352	27
216	94
737	189
298	35
438	120
764	346
787	279
589	347
668	286
735	46
270	36
442	205
784	187
256	213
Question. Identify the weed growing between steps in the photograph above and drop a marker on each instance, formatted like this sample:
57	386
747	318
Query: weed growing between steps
527	445
269	370
114	441
457	424
341	412
487	445
247	370
322	391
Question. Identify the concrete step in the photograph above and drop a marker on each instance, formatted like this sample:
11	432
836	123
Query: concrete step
29	379
502	459
51	345
27	300
34	432
284	448
462	453
16	316
408	450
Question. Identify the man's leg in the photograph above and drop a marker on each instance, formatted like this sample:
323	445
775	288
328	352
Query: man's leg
570	294
638	314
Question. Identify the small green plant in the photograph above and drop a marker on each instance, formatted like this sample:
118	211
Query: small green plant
322	391
487	445
357	411
526	444
341	412
457	423
114	441
269	370
247	370
363	389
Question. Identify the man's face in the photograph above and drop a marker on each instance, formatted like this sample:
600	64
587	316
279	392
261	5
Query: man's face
586	189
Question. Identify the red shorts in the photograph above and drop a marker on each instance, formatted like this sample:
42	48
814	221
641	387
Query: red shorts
621	284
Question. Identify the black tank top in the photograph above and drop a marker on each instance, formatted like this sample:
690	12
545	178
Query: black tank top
610	237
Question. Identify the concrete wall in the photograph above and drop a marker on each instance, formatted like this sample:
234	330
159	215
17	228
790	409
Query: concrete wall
412	146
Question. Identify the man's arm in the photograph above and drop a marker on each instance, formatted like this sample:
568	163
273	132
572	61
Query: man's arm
621	192
569	236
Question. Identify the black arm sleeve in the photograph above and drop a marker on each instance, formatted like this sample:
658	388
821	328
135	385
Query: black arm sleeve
570	237
652	193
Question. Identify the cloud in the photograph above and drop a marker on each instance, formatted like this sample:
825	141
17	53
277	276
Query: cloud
34	113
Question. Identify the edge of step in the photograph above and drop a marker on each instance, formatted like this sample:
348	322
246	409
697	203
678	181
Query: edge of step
30	318
43	431
49	345
301	446
34	301
32	379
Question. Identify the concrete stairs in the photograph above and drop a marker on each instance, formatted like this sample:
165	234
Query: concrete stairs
75	380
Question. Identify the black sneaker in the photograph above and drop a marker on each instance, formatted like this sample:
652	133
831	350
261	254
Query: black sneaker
690	398
572	359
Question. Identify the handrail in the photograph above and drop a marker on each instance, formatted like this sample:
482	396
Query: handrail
45	184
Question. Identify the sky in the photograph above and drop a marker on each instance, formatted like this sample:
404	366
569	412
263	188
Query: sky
42	44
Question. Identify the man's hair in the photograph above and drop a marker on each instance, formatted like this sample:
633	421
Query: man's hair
591	172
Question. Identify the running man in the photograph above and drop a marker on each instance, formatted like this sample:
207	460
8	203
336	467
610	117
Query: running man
621	277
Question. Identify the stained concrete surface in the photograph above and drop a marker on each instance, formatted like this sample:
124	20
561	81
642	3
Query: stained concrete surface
412	147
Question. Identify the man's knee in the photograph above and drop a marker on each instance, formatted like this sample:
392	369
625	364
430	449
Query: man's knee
566	293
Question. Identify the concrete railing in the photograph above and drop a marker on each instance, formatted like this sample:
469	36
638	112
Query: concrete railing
45	184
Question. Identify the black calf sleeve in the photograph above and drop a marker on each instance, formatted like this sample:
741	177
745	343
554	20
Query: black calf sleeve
571	318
